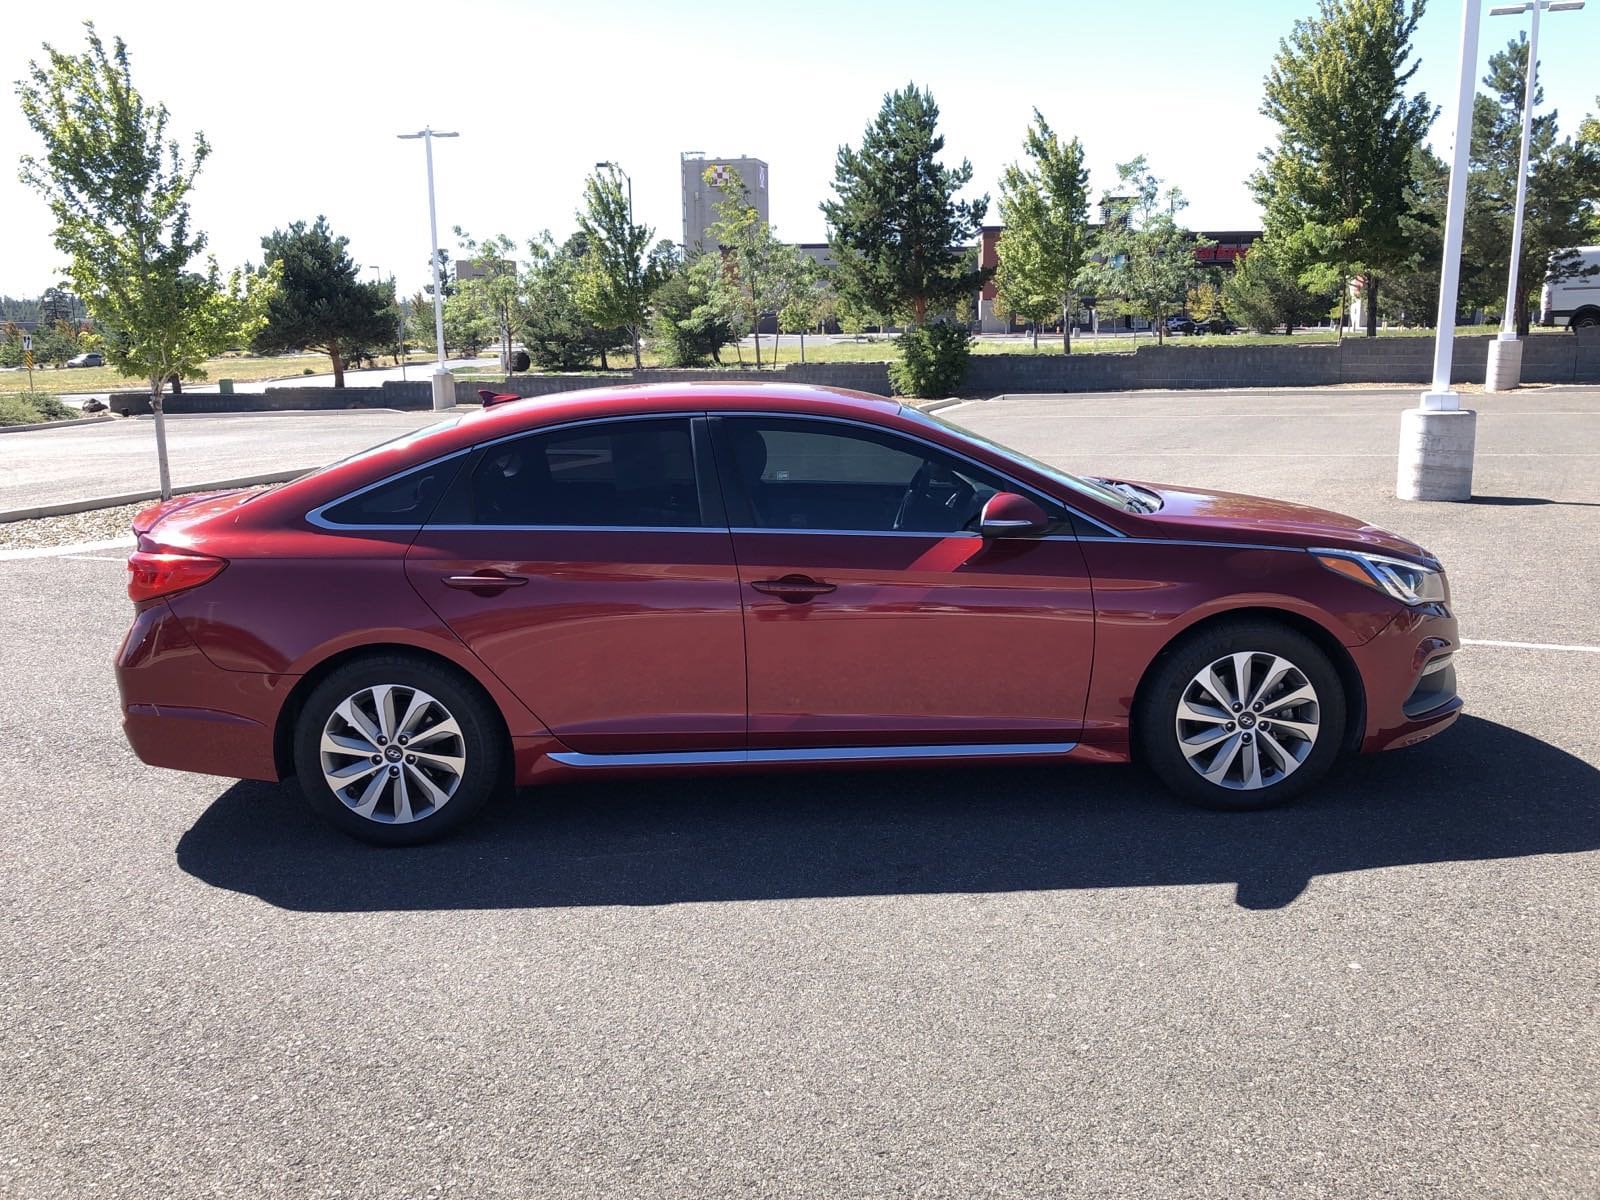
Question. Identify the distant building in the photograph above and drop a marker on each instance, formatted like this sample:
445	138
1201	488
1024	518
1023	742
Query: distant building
700	200
467	268
1231	245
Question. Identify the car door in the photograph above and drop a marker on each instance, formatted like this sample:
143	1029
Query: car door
874	615
591	569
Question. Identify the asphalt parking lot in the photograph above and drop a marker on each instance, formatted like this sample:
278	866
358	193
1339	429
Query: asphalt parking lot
1017	983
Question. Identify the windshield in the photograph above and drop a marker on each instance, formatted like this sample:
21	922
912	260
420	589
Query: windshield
1084	487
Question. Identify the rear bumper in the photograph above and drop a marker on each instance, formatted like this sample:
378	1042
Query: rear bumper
1409	677
181	711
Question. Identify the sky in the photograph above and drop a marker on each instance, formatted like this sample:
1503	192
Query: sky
301	102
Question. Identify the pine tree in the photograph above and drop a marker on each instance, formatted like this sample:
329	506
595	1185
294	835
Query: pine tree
1563	181
320	303
897	231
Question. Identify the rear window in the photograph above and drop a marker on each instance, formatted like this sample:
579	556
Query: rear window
405	500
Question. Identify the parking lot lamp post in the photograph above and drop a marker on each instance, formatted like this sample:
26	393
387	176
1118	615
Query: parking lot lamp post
1437	437
444	393
1505	352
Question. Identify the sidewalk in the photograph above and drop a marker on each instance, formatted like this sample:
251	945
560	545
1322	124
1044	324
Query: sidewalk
52	466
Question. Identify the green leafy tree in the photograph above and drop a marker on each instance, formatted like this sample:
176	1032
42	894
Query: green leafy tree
897	231
118	189
1265	290
1045	247
802	295
555	330
1562	190
1411	289
1144	258
618	278
1336	182
320	304
694	317
755	265
493	286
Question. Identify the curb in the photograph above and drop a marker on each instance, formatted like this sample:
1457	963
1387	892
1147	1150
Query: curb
932	406
67	507
57	424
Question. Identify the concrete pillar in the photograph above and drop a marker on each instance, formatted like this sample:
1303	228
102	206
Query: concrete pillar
1436	448
444	390
1505	364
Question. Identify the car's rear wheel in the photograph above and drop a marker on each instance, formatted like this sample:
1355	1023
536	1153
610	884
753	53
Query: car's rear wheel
395	750
1243	715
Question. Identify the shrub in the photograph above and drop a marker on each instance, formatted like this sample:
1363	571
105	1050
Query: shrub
933	361
18	410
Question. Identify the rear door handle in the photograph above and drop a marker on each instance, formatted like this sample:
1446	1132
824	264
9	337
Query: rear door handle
485	581
796	589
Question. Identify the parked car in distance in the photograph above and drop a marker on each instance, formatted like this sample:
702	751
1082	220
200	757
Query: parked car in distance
627	581
92	359
1574	299
1215	325
1179	324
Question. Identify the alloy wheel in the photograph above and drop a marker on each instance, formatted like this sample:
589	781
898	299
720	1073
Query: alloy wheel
1248	720
392	754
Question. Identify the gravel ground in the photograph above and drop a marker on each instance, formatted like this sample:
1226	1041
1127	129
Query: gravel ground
96	525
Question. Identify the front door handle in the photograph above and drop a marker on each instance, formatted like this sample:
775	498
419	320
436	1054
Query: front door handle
485	581
796	589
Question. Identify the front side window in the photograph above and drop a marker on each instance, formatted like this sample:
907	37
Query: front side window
820	475
630	474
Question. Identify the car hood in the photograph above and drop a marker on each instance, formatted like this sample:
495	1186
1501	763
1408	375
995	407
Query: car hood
1233	517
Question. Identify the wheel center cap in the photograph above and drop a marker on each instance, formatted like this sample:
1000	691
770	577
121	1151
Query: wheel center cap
1247	720
392	754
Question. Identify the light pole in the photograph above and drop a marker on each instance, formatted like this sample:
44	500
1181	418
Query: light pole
1505	352
1437	437
611	166
444	391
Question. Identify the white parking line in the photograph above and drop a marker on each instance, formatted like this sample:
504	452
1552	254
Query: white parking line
1529	645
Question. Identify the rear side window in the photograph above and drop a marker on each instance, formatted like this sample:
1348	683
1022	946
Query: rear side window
630	474
406	500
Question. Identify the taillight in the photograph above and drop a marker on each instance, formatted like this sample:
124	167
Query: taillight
152	573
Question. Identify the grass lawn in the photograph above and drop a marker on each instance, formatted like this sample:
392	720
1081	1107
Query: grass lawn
58	381
880	350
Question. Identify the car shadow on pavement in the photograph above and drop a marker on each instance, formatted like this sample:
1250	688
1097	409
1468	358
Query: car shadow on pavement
1478	791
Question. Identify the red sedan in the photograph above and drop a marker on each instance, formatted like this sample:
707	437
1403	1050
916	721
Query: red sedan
724	577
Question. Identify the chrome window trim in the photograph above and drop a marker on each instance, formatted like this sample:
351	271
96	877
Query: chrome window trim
708	758
934	446
316	518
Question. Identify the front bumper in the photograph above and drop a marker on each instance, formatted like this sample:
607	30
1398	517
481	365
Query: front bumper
1408	673
181	711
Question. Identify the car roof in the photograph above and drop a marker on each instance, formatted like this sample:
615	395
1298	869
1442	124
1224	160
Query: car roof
635	399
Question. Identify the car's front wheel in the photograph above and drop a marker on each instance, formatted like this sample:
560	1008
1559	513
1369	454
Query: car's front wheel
396	750
1243	715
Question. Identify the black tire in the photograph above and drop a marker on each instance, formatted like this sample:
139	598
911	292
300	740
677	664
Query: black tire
1584	320
1156	716
480	745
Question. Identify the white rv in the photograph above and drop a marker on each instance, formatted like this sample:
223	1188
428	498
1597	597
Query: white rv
1575	300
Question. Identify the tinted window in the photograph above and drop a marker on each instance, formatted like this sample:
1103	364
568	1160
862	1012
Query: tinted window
629	473
406	499
793	474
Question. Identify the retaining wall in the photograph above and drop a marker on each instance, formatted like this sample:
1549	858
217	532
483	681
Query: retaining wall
1546	358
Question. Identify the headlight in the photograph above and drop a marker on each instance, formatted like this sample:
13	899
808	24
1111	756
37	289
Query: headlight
1408	582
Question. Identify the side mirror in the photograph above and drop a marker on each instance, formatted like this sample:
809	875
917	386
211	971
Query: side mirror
1007	514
